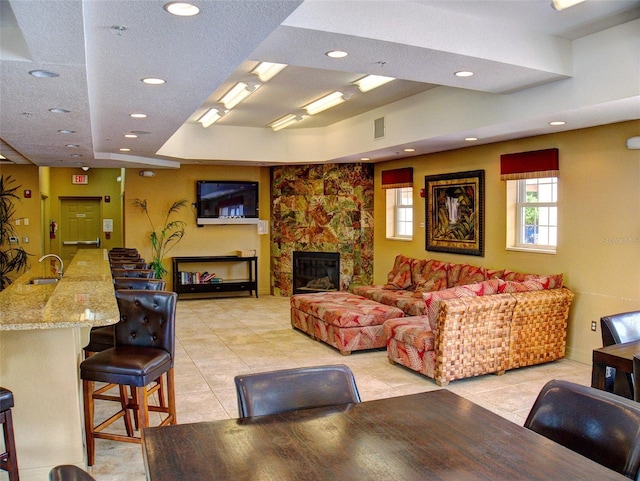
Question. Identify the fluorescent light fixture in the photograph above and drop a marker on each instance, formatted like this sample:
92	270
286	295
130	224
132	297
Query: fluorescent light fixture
562	4
324	103
284	122
371	82
267	70
138	116
556	123
463	73
130	136
181	9
237	94
209	117
43	74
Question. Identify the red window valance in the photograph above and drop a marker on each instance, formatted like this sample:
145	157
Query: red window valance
397	178
530	165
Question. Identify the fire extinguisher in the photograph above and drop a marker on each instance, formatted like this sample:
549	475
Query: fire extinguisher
53	227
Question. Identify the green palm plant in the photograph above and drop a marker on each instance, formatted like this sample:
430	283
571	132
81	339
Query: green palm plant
166	239
11	258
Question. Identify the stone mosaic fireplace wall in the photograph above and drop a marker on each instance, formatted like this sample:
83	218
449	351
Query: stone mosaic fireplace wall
322	208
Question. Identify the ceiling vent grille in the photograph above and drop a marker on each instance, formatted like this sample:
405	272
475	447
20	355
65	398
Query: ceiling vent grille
378	128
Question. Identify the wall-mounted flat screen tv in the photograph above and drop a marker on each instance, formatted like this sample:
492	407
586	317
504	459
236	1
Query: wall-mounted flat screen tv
227	202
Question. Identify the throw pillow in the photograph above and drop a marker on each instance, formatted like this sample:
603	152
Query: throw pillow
400	275
430	275
463	274
552	281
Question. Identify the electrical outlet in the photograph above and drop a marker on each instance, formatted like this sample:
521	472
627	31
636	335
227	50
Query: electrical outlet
593	326
13	239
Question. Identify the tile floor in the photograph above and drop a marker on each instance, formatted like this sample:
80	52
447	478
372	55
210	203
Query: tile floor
219	338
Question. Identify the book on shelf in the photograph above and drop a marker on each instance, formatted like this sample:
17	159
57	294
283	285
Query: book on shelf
199	278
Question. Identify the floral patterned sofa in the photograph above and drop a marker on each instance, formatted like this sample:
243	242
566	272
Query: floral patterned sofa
463	320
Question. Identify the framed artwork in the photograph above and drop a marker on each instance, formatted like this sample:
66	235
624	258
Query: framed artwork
454	211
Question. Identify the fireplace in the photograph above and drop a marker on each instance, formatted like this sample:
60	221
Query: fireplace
316	272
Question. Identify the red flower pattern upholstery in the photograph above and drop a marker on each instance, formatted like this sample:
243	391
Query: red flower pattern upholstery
429	275
400	275
463	274
343	320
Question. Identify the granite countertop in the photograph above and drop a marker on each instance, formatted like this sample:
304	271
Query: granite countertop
84	297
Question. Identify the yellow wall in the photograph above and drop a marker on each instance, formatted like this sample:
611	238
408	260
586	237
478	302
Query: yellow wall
210	240
26	176
599	213
102	183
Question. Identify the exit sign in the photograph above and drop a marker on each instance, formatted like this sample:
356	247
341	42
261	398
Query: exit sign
80	179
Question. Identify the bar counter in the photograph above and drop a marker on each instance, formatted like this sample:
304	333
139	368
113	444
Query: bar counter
42	330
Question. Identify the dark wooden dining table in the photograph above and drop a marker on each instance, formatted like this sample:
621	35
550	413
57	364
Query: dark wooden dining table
436	435
618	356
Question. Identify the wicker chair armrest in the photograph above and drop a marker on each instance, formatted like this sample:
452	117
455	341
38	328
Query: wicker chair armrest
472	336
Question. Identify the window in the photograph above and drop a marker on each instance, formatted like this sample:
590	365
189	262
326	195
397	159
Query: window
400	213
534	223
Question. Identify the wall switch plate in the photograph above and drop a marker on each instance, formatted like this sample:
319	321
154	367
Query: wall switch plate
13	239
593	326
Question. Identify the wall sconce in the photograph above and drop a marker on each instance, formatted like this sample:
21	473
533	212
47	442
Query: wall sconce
147	173
85	168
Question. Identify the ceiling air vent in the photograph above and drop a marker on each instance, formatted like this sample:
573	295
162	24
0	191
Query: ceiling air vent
378	128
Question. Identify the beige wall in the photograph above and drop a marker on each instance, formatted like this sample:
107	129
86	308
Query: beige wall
599	214
210	240
26	176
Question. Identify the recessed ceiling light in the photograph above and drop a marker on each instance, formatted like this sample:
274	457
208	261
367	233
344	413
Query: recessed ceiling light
138	116
59	111
463	73
43	74
76	155
471	139
409	150
153	81
364	158
66	131
336	54
181	9
557	122
124	149
72	146
131	136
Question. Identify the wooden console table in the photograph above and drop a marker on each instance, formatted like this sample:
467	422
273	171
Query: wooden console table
250	283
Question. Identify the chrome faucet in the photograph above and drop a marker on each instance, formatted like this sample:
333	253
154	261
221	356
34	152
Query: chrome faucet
58	271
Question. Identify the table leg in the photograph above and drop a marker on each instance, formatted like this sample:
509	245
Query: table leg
598	375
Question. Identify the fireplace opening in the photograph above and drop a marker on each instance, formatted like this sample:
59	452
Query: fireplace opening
316	272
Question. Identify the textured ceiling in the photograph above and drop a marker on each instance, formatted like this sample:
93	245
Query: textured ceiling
513	47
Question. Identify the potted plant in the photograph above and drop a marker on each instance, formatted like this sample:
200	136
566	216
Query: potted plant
12	259
164	240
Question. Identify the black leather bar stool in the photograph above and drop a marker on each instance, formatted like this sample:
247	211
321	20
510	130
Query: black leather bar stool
67	472
8	459
142	357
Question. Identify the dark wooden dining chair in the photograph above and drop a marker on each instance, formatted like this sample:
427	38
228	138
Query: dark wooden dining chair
617	329
142	357
67	472
292	389
597	424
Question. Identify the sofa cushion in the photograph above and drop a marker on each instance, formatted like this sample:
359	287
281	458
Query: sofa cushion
429	275
414	331
494	274
432	299
400	275
463	274
552	281
528	285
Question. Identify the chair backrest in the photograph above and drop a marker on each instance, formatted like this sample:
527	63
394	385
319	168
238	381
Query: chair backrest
138	284
292	389
619	328
69	473
147	319
140	273
128	265
599	425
